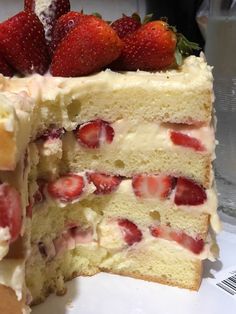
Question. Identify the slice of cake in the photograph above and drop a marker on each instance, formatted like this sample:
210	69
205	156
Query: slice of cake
107	172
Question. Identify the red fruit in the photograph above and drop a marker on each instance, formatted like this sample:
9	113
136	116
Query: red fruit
152	186
88	48
23	44
104	183
67	188
126	25
185	140
130	231
94	133
189	193
10	210
5	68
48	12
150	48
194	245
63	26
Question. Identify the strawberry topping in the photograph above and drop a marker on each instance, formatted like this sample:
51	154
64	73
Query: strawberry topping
67	188
126	25
23	44
94	133
131	232
189	193
152	186
86	49
151	47
5	68
185	140
63	26
194	245
50	12
10	210
104	183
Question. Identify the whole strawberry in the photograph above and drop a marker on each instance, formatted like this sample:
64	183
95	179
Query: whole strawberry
5	68
22	43
152	47
88	48
48	12
63	26
126	25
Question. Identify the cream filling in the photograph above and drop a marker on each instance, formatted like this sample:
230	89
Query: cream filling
111	238
150	136
12	274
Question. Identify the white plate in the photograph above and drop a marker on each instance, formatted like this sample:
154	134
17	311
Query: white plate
110	294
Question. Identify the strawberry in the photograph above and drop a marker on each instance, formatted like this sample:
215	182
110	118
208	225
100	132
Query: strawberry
67	188
150	48
88	48
48	11
94	133
5	68
23	44
126	25
189	192
63	26
10	210
104	183
131	232
152	186
194	245
185	140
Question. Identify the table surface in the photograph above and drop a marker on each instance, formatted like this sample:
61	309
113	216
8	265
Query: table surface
106	294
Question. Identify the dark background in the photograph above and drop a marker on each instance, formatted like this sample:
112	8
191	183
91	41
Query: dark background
180	13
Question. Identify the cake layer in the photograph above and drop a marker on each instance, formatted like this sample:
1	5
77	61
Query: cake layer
53	214
179	96
164	263
130	160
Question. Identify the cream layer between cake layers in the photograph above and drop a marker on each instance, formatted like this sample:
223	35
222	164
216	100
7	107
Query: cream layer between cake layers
142	108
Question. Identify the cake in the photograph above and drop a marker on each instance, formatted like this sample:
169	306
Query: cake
108	172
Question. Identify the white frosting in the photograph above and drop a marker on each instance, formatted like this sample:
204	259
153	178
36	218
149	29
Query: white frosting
12	274
110	235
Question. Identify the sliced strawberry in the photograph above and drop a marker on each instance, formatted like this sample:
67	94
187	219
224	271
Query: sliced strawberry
126	25
67	188
189	192
94	133
152	186
23	44
63	26
185	140
104	183
194	245
86	49
10	210
48	12
131	232
5	68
